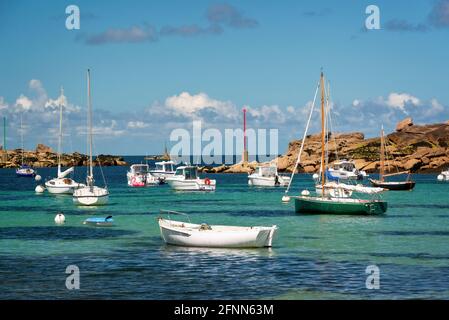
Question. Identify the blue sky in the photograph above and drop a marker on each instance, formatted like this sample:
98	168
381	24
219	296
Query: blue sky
157	65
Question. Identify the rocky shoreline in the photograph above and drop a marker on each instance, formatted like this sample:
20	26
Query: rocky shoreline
44	156
418	148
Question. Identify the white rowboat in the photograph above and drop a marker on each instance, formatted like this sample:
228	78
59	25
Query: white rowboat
215	236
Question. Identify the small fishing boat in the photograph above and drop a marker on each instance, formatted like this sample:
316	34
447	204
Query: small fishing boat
139	176
99	222
267	176
24	170
62	184
407	184
163	170
214	236
443	176
346	170
186	179
90	195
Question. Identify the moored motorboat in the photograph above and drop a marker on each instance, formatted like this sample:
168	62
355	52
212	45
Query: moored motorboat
267	176
139	176
163	170
443	176
186	179
214	236
346	170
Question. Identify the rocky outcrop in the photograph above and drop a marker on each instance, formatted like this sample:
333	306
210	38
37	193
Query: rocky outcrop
41	148
407	122
44	156
418	148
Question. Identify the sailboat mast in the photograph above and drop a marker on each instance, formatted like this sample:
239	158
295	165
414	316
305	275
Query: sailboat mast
21	135
323	142
5	153
382	154
89	124
60	133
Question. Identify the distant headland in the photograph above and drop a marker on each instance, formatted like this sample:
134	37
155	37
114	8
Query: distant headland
418	148
44	156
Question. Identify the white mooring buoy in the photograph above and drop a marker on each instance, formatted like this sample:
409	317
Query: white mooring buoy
305	193
37	178
440	177
39	189
285	199
60	218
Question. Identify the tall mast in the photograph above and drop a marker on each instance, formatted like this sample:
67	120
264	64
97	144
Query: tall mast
89	121
21	135
323	142
382	154
60	132
5	153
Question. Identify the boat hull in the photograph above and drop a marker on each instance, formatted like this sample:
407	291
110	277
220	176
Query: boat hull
394	186
88	196
191	185
241	237
58	187
268	181
316	205
25	173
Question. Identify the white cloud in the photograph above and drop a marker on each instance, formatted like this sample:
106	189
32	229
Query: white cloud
399	100
189	105
267	114
23	103
3	103
137	125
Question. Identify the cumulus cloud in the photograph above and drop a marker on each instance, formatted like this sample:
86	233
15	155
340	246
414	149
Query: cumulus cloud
23	103
400	100
192	106
3	103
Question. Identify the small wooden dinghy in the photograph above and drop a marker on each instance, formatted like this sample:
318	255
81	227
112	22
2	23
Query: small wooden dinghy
100	222
214	236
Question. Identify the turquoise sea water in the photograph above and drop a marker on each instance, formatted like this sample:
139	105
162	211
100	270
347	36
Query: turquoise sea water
314	256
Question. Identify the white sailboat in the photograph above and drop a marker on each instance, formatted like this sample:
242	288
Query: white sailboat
90	195
62	184
24	170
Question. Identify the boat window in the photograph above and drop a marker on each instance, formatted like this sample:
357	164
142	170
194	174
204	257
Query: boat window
268	171
179	172
190	173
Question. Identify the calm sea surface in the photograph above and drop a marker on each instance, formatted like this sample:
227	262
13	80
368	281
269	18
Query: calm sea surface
314	257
